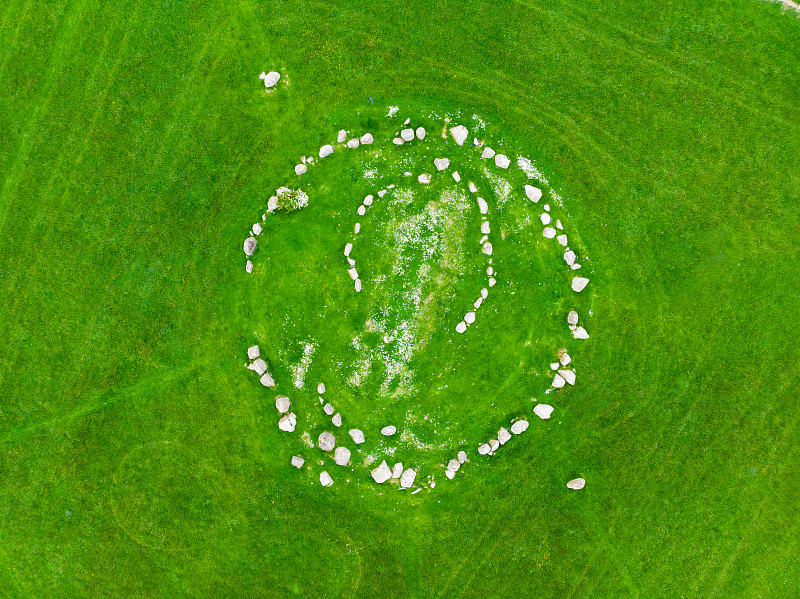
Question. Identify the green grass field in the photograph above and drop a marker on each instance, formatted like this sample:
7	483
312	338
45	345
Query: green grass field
138	458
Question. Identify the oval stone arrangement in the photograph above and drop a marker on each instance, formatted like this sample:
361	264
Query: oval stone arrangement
334	455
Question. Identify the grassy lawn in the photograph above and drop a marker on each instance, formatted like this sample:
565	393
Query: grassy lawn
138	458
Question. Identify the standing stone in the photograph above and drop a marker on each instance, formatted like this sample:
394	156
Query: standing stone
519	427
357	435
267	380
461	327
347	249
282	403
568	375
325	479
487	248
321	388
300	169
572	317
469	317
545	218
549	232
257	228
483	206
472	187
407	134
485	229
424	178
325	150
337	420
453	465
420	132
358	285
328	409
341	456
398	141
460	134
407	478
534	193
252	352
441	163
494	444
576	484
298	461
366	139
397	470
543	411
503	435
288	422
562	239
353	143
250	246
342	136
353	273
502	161
558	380
487	153
260	366
382	473
580	333
462	456
569	257
483	449
249	266
326	441
388	431
565	359
579	283
271	79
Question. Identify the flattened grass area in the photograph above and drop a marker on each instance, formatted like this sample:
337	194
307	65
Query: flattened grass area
139	459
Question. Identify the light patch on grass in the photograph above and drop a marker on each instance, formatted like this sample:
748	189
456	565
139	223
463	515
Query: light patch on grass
299	370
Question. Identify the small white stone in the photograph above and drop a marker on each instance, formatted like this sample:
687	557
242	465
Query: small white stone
248	266
407	134
553	365
351	262
407	478
565	359
545	218
388	431
502	161
420	132
547	207
567	375
252	352
326	441
267	380
549	232
478	303
483	206
381	193
341	456
262	75
342	136
362	210
575	266
325	479
250	246
543	411
490	271
424	178
503	436
483	449
469	317
298	461
449	474
487	152
353	143
562	239
348	248
453	465
580	333
282	403
569	257
358	285
321	388
397	470
353	273
519	427
288	422
325	150
328	409
494	444
558	381
257	228
462	457
484	293
271	78
460	134
398	141
357	436
472	187
456	176
368	200
492	281
559	225
367	139
337	420
357	228
576	484
534	193
382	473
300	169
485	227
572	317
579	283
461	327
487	248
441	163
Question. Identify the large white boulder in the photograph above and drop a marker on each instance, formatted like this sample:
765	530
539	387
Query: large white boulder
503	436
576	484
271	78
519	427
267	380
282	403
260	366
543	411
341	456
460	134
502	161
388	431
579	283
250	246
298	461
534	193
382	473
407	478
326	441
288	422
357	436
325	150
325	479
568	375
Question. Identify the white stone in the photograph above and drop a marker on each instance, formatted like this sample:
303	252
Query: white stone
257	228
407	478
575	266
553	365
260	366
252	352
300	169
484	293
484	239
397	470
357	436
450	474
382	473
472	187
248	266
580	333
358	285
420	132
325	150
462	457
424	178
353	143
483	206
348	248
478	303
326	441
483	449
453	465
353	273
267	380
328	409
576	484
282	403
298	461
337	420
325	479
485	227
545	218
559	225
388	431
519	427
461	327
568	375
351	262
547	207
342	136
503	436
572	317
262	75
490	271
569	257
492	281
460	134
398	141
549	232
562	239
579	283
367	139
250	246
381	193
502	161
362	210
271	78
407	134
534	193
441	163
565	359
288	422
487	248
368	200
494	444
558	381
341	456
469	317
543	411
456	176
487	152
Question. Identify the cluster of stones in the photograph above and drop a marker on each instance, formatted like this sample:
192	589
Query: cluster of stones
503	437
348	248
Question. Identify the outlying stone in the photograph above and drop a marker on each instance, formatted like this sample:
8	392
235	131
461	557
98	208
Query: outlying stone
325	479
579	283
388	431
288	422
341	456
502	161
326	441
357	436
253	352
382	473
407	134
325	150
487	152
282	403
576	484
567	375
420	132
543	411
503	435
260	366
407	478
337	420
441	163
366	139
298	461
534	193
572	317
397	470
462	456
519	427
459	133
250	246
580	333
558	380
271	78
267	380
